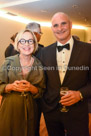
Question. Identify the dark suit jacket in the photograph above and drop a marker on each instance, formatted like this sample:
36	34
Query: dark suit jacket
10	51
40	46
78	79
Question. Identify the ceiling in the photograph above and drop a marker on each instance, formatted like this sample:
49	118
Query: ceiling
42	10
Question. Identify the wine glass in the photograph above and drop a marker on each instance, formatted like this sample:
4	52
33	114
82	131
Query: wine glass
64	91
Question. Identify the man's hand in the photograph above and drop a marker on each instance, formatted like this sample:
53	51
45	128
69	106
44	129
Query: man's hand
70	98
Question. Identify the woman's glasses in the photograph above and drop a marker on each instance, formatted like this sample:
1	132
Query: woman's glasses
23	41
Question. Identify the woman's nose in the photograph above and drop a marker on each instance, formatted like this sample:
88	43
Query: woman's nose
27	43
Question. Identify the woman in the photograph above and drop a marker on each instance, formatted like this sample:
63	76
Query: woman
21	82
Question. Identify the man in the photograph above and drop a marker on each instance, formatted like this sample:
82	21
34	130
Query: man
36	28
66	66
10	51
89	108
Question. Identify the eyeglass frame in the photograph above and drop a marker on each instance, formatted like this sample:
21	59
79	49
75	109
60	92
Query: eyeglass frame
26	41
40	33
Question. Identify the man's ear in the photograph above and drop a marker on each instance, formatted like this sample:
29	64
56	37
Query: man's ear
71	24
52	28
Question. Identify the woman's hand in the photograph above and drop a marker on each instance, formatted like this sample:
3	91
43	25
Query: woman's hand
21	86
24	86
16	86
29	87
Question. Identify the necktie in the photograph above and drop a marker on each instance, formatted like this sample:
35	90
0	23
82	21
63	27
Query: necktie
66	46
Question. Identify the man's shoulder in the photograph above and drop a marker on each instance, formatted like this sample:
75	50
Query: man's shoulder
82	44
40	45
46	51
49	46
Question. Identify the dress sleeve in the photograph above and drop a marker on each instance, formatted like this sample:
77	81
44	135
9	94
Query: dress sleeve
41	83
4	76
41	89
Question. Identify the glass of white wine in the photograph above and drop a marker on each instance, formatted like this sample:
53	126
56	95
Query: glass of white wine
64	91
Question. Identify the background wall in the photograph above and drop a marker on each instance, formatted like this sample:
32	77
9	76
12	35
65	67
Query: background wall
88	34
8	28
80	33
48	37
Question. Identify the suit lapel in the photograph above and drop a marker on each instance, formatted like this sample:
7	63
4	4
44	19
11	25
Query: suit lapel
54	63
73	59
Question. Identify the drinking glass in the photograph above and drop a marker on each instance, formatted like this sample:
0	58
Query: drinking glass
64	91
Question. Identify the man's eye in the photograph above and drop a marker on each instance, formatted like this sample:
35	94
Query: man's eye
56	25
64	23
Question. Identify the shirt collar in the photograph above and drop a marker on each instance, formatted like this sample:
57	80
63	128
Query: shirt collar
71	42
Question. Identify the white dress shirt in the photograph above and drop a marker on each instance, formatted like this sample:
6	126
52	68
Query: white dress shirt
63	58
